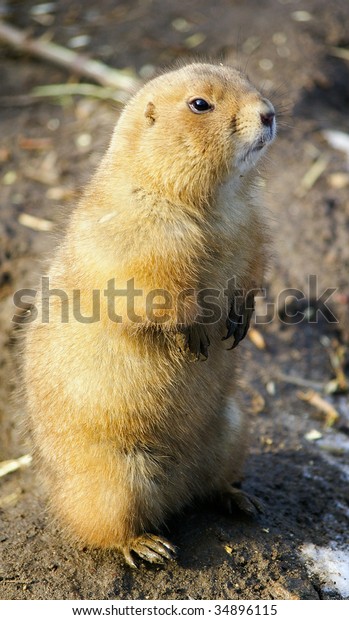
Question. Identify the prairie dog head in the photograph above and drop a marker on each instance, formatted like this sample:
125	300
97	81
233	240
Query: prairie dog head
191	129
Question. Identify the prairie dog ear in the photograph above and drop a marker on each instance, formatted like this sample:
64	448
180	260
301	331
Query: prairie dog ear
150	113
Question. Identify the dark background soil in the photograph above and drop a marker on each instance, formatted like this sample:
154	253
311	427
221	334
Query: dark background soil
287	47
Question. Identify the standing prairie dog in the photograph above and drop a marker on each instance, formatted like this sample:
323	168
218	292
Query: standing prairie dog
128	429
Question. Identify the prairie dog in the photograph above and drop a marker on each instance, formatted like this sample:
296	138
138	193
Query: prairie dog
130	429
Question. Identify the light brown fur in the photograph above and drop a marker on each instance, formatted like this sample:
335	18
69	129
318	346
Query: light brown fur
128	429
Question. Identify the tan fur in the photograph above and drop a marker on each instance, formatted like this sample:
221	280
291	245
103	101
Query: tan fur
128	430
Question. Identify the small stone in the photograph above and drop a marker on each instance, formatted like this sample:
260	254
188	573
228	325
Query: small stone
56	193
270	387
266	64
9	178
43	9
301	16
53	124
283	51
279	38
313	435
83	140
195	40
17	199
79	41
181	25
338	180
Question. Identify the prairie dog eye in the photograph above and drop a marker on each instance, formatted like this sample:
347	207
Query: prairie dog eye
200	106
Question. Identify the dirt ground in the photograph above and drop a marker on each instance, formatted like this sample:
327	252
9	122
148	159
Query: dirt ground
298	463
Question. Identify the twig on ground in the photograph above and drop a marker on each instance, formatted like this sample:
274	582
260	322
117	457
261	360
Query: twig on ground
340	52
312	175
7	467
87	90
74	62
313	398
257	338
35	223
336	353
315	385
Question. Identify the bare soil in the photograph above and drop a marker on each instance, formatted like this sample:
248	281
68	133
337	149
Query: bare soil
50	147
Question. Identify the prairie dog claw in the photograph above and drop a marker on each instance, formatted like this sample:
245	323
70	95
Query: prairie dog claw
149	547
193	341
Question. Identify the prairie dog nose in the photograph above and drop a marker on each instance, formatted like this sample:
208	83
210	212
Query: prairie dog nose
267	113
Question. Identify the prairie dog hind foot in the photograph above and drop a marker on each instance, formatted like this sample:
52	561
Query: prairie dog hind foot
149	547
233	497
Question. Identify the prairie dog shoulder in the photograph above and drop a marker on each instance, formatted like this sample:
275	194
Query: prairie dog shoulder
176	186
